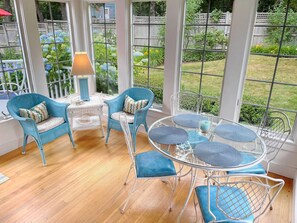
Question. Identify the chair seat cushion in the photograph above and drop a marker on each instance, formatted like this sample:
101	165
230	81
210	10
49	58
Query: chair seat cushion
246	158
153	164
116	116
49	123
231	194
38	113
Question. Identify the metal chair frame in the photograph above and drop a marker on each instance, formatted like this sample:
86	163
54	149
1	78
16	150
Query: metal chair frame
176	101
132	154
274	129
259	190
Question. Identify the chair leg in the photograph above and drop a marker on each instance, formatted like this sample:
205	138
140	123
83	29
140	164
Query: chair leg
172	193
128	198
128	174
107	135
71	139
40	147
24	143
134	140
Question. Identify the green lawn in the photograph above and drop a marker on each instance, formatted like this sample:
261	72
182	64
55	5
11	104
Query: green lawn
259	68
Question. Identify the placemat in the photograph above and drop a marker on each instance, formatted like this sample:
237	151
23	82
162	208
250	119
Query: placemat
168	135
235	133
218	154
188	120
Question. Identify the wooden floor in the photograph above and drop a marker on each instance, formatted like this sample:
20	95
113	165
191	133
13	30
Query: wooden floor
86	185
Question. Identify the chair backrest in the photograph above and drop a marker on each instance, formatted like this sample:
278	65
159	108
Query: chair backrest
243	196
274	129
186	102
25	101
128	138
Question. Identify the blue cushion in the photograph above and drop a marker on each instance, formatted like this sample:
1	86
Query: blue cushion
153	164
246	158
235	194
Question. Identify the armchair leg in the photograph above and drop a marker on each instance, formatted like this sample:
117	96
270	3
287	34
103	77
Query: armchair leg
40	147
71	139
145	126
107	135
24	143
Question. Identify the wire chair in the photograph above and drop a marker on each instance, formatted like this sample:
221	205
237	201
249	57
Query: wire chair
147	165
186	102
274	129
236	198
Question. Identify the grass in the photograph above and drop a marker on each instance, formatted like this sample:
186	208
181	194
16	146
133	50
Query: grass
259	68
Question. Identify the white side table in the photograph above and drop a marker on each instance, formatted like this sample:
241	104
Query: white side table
86	114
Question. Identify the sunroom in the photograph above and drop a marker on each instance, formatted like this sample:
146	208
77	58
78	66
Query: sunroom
241	56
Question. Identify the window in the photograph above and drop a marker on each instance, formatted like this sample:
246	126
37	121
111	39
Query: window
205	40
148	49
104	45
13	76
271	81
56	47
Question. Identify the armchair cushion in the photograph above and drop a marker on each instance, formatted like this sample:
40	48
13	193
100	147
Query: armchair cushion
116	116
38	113
49	123
131	106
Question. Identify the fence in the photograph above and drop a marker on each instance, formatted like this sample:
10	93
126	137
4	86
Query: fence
8	31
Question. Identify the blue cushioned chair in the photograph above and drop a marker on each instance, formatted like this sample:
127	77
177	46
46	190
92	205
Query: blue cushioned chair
146	165
237	198
115	107
57	112
274	129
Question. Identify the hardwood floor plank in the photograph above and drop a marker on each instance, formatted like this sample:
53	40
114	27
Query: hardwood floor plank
85	184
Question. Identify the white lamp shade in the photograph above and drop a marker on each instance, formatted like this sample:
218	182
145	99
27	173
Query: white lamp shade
81	64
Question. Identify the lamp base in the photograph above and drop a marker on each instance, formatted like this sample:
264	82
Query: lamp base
84	89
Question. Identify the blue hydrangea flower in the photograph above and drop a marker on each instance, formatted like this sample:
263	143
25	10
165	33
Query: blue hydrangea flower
137	54
105	66
48	67
59	40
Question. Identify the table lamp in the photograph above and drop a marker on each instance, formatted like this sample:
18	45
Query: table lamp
82	66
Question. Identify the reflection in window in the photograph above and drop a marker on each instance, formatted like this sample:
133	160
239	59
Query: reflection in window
55	41
13	76
271	82
104	45
148	46
205	40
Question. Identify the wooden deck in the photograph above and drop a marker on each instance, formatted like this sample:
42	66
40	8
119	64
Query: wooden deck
86	185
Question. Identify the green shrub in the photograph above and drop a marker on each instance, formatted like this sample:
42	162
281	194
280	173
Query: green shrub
273	49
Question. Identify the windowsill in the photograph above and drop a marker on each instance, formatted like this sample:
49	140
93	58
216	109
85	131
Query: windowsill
4	120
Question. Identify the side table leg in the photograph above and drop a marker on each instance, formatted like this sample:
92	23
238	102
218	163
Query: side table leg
101	125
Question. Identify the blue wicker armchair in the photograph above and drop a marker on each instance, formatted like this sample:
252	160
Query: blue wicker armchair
115	108
45	131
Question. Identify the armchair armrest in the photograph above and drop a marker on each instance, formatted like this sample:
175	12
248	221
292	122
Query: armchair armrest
57	109
115	104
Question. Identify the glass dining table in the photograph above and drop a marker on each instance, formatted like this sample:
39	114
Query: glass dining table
207	143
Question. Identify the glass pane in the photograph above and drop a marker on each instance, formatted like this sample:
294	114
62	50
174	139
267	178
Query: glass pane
190	82
215	63
286	70
140	35
284	96
157	35
156	57
140	76
211	86
256	92
261	67
13	76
